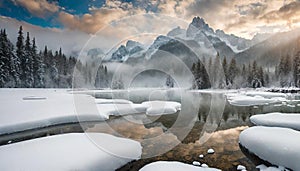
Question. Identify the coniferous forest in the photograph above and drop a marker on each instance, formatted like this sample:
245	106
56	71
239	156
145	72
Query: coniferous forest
23	66
217	73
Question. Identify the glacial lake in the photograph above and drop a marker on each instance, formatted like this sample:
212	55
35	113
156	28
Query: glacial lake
206	121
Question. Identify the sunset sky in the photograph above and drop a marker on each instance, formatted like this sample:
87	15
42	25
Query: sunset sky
243	18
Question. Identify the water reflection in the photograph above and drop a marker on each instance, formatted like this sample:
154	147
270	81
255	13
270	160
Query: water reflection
207	120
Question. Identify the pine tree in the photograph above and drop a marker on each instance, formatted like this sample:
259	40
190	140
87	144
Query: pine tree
256	76
232	71
27	64
4	70
225	69
261	76
250	75
169	82
20	55
38	67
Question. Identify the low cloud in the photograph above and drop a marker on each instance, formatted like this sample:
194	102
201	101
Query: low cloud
289	13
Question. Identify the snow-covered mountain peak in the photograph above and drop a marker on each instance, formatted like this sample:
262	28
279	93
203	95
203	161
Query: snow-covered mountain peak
132	44
199	23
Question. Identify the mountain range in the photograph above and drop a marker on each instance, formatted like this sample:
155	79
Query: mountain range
199	40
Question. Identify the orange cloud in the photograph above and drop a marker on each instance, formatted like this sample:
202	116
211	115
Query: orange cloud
98	17
39	8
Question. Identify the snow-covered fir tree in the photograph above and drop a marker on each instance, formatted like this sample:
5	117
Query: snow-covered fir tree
169	82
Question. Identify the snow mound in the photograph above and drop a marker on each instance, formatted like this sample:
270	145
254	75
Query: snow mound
286	120
69	152
174	166
254	98
278	146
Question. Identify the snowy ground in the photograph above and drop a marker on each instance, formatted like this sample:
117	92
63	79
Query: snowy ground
24	109
174	166
70	152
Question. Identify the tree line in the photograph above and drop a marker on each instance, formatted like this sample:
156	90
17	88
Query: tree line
223	74
23	66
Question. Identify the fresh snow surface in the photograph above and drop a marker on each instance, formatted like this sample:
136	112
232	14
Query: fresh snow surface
23	109
174	166
254	98
70	152
278	146
286	120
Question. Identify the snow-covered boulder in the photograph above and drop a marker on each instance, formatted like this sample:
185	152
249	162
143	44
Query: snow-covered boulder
240	167
74	151
210	151
174	166
196	163
286	120
278	146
